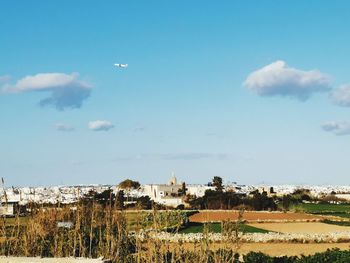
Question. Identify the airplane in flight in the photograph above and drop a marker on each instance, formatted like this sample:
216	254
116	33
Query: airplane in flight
121	65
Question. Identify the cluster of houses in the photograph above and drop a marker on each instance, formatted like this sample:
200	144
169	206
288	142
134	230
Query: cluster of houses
170	194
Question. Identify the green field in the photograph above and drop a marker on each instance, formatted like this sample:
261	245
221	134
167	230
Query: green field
322	208
341	210
340	214
216	228
338	223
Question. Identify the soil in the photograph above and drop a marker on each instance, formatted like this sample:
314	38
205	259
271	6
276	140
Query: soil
276	249
311	227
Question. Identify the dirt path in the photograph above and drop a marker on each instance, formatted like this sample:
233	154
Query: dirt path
311	227
279	249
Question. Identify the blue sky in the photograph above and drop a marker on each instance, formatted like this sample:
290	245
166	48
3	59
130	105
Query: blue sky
184	103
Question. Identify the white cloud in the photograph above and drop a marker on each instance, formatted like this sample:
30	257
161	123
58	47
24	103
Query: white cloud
63	127
337	127
278	79
66	91
341	96
100	125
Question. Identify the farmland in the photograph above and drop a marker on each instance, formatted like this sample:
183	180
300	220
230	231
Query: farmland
194	227
252	216
274	233
321	208
301	227
340	210
134	219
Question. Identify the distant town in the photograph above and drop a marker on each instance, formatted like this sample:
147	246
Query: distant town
170	194
100	221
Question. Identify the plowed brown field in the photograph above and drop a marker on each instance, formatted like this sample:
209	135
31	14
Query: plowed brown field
252	216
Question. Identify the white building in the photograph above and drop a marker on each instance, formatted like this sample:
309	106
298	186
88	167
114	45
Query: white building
170	194
8	208
166	194
198	190
8	204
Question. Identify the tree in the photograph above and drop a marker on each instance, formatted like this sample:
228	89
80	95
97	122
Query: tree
107	197
144	202
182	190
129	184
217	182
260	201
286	202
120	200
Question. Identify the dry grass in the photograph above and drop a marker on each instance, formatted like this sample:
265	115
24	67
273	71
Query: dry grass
103	231
96	231
47	260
